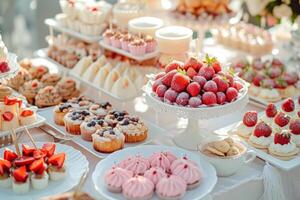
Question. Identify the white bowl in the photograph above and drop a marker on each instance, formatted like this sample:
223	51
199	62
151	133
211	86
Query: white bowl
227	166
174	39
145	25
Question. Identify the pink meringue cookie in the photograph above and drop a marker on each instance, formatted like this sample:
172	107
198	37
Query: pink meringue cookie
171	187
138	165
115	177
186	170
137	188
170	156
154	174
123	164
159	160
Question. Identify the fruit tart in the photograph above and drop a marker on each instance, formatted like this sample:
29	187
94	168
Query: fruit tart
30	90
48	96
73	120
246	127
261	137
288	108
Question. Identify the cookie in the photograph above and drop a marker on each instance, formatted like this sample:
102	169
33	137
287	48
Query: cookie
233	151
214	151
221	146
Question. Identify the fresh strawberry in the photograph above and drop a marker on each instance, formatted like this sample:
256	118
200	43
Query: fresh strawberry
229	79
217	67
207	72
231	94
281	119
221	83
38	166
7	116
39	153
210	86
167	79
191	72
237	85
221	97
182	98
57	160
20	174
5	166
170	96
268	83
271	110
295	126
276	62
195	102
27	150
209	98
288	105
200	79
180	82
194	63
156	84
193	89
9	155
257	79
26	113
274	72
280	83
257	64
160	90
23	161
250	118
159	75
4	67
12	101
282	138
290	78
262	129
174	65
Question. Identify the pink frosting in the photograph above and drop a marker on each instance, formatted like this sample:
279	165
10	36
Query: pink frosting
138	187
123	164
160	160
138	165
171	187
116	176
186	170
155	174
170	156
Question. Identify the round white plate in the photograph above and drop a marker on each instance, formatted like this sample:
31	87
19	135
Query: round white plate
208	182
76	164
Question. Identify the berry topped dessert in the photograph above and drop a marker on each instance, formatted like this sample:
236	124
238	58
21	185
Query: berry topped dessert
196	84
246	127
3	57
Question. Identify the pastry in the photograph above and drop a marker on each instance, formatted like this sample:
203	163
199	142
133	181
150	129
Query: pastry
107	140
50	79
9	121
295	131
110	80
57	169
137	47
246	127
66	88
155	174
27	116
93	69
30	90
137	164
102	75
48	96
39	177
100	109
61	110
38	72
115	177
115	40
261	136
124	88
73	120
90	125
5	92
25	63
138	187
22	76
12	104
82	65
20	183
281	121
171	187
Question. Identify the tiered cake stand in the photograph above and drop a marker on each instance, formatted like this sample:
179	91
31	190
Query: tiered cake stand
195	132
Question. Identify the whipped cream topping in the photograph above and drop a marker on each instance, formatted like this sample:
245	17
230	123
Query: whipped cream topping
244	130
287	148
263	141
296	138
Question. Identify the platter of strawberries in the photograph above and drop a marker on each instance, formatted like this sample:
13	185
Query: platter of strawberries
274	134
269	78
33	172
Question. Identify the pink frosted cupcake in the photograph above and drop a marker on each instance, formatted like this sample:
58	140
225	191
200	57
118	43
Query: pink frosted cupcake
171	187
138	165
125	41
116	40
151	44
137	47
107	35
160	160
188	171
115	177
137	188
154	174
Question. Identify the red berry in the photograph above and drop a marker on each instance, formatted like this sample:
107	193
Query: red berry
257	79
221	97
295	126
200	79
282	138
174	65
193	89
195	102
231	94
7	116
160	90
229	79
262	129
210	86
288	105
290	78
274	72
209	98
20	174
207	72
182	98
281	119
156	84
170	96
257	64
191	72
167	79
4	67
221	83
180	82
159	75
237	85
268	83
194	63
250	118
216	66
277	62
271	110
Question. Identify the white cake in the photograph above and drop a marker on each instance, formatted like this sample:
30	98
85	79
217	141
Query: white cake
82	65
101	75
124	88
112	77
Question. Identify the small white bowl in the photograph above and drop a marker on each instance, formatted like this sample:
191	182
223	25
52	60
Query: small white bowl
227	166
145	25
174	39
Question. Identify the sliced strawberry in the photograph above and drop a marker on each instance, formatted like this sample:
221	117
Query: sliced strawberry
26	113
271	110
262	129
288	105
37	154
282	119
57	160
20	174
21	161
12	101
27	150
7	116
37	166
250	118
282	138
10	155
49	148
5	165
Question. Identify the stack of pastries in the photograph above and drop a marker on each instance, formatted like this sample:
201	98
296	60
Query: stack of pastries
122	80
108	129
40	87
270	79
14	114
277	131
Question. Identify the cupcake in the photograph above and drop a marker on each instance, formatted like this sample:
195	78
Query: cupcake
114	117
137	47
17	81
107	140
100	109
38	72
50	79
151	44
154	174
171	187
133	129
125	41
73	120
107	35
89	127
30	90
115	177
67	88
61	110
47	96
115	40
138	187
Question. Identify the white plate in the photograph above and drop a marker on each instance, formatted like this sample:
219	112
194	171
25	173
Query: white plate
153	132
129	55
208	182
76	164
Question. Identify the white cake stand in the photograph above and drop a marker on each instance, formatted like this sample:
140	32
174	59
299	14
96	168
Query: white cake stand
195	132
13	65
